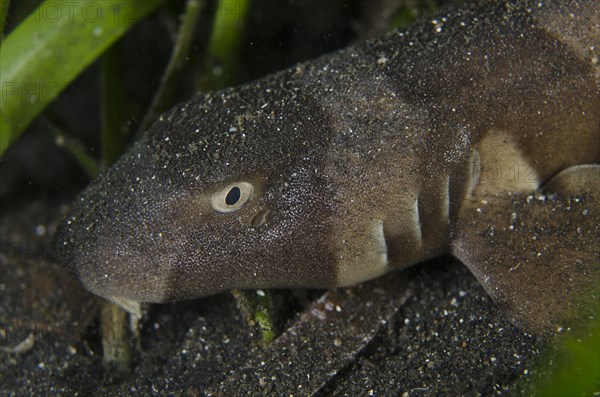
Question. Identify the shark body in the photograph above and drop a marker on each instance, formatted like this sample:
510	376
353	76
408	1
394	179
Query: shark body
361	162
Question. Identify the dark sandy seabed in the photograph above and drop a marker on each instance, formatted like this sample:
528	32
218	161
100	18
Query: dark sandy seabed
428	331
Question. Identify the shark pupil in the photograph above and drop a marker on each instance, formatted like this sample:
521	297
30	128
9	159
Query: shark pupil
233	196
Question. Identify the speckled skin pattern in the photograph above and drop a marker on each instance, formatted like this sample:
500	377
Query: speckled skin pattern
363	158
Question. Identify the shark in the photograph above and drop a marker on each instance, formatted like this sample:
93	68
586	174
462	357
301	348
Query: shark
474	134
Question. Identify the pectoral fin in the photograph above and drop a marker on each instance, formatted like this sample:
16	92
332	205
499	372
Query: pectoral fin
538	256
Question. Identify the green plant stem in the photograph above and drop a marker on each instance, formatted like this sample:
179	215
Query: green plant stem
117	338
73	146
3	15
257	308
579	374
222	57
180	52
41	57
114	137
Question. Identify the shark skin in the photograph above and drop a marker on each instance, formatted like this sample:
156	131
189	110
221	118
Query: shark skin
477	135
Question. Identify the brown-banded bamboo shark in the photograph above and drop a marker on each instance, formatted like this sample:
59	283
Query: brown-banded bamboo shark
371	159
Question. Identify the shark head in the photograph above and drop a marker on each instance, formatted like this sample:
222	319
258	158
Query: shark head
284	182
225	191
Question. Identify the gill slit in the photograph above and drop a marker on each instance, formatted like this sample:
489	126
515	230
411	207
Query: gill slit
417	222
446	201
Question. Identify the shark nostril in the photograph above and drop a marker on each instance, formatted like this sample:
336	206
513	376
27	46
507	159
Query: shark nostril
260	218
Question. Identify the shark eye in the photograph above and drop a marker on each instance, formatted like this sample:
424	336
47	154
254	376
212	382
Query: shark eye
232	197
